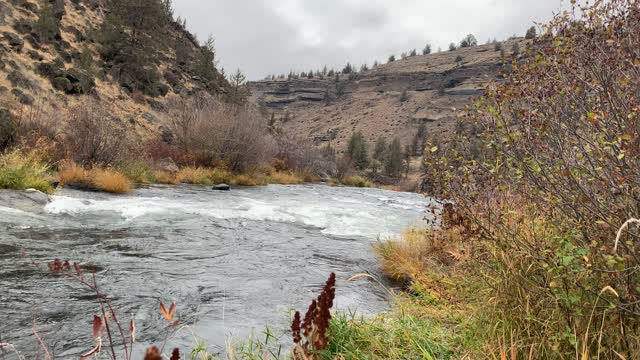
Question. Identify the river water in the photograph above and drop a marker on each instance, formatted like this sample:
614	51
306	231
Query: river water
233	262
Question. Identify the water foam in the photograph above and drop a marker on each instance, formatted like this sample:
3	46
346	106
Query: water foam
350	215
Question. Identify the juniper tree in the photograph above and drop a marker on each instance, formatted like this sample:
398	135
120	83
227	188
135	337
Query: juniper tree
531	33
393	159
469	41
357	151
380	149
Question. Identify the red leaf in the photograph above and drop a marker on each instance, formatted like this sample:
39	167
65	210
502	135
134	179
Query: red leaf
175	355
97	326
168	314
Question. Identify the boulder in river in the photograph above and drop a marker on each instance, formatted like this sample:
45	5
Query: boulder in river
221	187
30	200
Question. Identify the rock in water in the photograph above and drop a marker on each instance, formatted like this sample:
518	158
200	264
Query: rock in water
30	200
221	187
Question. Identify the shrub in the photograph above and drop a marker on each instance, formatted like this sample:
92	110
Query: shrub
92	136
555	179
452	47
355	181
214	132
46	27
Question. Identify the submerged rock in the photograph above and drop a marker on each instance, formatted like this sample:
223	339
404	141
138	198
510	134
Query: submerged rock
30	200
221	187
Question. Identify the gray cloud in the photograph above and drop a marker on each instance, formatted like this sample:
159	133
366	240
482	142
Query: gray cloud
263	37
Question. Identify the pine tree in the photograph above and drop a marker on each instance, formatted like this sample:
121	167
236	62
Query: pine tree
238	92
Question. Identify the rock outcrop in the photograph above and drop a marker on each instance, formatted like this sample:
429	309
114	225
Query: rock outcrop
390	100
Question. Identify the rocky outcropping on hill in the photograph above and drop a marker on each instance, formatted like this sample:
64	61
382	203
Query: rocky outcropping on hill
51	51
390	100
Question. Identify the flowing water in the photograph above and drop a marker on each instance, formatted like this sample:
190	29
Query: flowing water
233	262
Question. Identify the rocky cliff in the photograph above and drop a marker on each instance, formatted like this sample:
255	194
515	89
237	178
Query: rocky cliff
390	100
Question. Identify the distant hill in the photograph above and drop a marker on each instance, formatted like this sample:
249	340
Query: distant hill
390	100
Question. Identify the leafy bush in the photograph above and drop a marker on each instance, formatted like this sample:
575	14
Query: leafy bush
554	179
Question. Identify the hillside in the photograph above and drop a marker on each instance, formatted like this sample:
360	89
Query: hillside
436	86
52	52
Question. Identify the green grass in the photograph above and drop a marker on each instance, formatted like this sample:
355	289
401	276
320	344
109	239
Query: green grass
395	335
21	171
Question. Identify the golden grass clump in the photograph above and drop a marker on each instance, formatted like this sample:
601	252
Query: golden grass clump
70	173
110	181
107	179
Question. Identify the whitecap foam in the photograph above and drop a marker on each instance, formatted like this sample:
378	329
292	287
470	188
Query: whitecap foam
344	214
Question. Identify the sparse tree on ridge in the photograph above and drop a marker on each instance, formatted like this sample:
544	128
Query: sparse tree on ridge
469	41
426	50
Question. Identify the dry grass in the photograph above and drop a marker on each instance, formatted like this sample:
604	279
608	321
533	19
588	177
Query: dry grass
70	173
165	177
102	179
24	170
111	181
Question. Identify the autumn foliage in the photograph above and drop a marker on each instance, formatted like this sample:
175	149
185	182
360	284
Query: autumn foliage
310	334
543	172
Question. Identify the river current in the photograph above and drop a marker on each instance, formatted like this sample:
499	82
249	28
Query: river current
234	262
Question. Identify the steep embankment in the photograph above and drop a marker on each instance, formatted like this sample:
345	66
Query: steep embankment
52	51
436	87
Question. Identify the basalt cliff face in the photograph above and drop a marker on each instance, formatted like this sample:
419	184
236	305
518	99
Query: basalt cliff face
390	100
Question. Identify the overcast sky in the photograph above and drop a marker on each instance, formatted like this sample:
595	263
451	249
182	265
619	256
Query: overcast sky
263	37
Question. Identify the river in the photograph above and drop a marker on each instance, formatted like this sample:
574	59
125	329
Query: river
233	262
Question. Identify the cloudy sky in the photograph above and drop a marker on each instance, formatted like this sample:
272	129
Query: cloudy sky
263	37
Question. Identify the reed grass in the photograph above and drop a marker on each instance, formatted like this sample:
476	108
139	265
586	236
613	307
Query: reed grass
22	170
